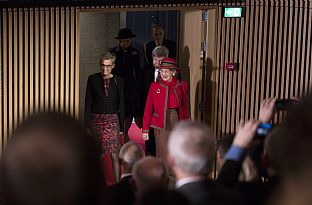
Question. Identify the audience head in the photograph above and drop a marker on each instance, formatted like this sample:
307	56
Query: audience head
148	174
292	140
129	153
191	149
52	160
158	33
158	54
288	148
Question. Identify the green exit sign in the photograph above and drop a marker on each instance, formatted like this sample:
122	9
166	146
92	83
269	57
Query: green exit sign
233	12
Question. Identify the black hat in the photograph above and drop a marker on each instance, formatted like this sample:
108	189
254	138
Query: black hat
125	33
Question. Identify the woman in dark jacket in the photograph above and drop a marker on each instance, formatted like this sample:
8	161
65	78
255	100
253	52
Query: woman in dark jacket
104	113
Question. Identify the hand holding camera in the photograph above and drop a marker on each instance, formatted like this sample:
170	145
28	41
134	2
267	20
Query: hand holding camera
245	133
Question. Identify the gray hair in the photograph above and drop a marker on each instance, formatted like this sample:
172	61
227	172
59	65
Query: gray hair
107	56
130	153
157	26
160	51
150	173
192	147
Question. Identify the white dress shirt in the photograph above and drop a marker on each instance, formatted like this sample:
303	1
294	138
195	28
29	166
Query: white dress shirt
156	74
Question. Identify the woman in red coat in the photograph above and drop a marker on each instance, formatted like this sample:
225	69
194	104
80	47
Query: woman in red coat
167	103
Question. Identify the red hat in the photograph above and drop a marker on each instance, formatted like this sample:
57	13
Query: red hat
169	63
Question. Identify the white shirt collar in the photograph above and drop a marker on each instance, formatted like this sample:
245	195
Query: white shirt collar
181	182
125	175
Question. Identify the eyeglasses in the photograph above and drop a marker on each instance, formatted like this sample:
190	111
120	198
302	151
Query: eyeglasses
106	66
165	71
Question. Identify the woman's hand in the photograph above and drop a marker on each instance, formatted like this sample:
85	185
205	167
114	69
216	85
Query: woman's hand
145	136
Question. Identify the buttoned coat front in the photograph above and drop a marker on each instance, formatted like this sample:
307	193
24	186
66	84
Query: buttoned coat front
157	101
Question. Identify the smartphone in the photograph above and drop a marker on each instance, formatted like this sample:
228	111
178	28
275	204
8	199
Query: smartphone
285	104
264	129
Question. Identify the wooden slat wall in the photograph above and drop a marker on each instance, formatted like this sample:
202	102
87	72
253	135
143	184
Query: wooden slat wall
40	67
273	47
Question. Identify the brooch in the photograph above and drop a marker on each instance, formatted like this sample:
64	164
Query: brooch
158	91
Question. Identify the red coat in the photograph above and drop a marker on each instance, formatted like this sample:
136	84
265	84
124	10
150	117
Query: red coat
157	101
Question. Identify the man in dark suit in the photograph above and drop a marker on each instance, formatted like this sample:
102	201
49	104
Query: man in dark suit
150	75
158	34
127	66
191	150
122	192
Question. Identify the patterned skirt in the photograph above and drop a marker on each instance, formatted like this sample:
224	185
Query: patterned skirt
106	128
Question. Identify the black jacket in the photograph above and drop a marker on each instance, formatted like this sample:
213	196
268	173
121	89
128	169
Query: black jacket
122	192
127	66
209	192
97	102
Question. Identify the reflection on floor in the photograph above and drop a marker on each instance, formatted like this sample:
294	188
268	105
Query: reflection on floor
135	135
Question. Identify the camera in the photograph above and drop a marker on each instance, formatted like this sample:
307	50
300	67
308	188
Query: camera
285	104
263	129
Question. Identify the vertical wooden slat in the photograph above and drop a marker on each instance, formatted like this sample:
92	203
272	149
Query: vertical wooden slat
269	51
1	79
57	60
301	53
297	51
77	69
241	71
14	78
236	48
10	74
67	58
293	48
72	60
249	61
245	68
284	50
36	60
26	59
21	66
5	46
279	53
47	53
62	60
231	76
223	77
226	77
221	65
41	59
31	61
259	54
309	49
264	50
256	70
52	59
273	57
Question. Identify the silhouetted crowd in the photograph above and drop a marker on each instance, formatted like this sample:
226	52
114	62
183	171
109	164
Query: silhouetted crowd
52	159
